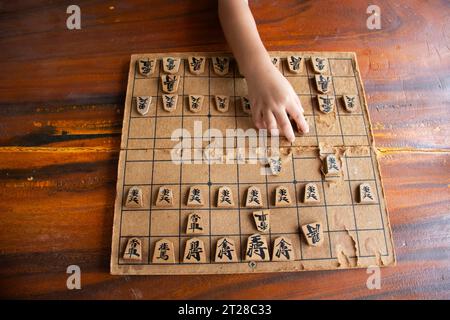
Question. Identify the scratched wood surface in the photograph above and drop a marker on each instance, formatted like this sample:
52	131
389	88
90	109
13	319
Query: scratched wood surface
61	103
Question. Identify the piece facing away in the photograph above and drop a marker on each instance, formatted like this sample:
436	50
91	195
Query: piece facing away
143	104
323	83
146	67
326	103
295	64
171	65
221	65
196	64
245	103
320	64
169	83
350	102
276	62
222	103
195	103
169	102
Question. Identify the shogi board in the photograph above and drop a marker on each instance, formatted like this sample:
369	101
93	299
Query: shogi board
355	235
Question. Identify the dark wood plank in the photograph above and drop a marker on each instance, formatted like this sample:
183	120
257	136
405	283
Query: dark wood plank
404	65
59	212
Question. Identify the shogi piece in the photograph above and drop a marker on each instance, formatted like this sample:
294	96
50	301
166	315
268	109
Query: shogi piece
326	103
245	103
133	250
331	167
169	83
164	252
350	102
196	64
169	102
222	103
221	65
283	250
195	197
313	233
282	197
323	83
262	220
164	197
195	223
320	64
311	193
294	64
257	248
225	250
275	165
254	197
134	198
143	104
146	67
276	62
366	194
171	64
225	197
195	103
194	251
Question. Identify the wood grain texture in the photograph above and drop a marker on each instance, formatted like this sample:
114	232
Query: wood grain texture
61	103
67	219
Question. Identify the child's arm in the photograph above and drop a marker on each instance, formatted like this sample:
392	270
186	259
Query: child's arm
271	96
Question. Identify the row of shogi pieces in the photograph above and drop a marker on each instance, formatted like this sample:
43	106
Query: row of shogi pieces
170	81
331	169
257	248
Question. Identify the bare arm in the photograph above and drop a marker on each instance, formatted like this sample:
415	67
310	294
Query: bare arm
241	33
271	95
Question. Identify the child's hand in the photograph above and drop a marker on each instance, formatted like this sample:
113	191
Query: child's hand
272	99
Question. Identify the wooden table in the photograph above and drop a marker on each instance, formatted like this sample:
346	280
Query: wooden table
62	95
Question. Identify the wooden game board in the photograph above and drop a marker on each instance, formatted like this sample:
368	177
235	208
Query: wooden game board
355	235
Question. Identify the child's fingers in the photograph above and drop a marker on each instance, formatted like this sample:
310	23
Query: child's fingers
299	104
298	118
271	122
285	125
258	119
